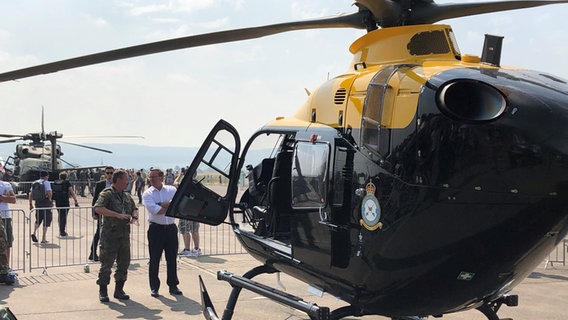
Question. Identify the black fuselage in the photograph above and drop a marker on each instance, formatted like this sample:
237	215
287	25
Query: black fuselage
468	208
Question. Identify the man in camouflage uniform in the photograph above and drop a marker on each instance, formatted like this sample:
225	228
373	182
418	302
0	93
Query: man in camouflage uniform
118	212
4	256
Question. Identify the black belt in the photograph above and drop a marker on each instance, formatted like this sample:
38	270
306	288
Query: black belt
161	225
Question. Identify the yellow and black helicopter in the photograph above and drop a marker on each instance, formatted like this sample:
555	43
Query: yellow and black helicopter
419	183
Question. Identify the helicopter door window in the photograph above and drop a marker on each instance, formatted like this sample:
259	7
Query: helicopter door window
379	96
309	175
213	171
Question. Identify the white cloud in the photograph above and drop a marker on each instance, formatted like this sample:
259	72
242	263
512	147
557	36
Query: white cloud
172	6
216	24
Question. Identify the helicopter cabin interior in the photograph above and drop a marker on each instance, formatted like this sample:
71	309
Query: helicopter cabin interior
291	177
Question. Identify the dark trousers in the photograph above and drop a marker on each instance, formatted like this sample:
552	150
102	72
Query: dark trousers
139	194
96	238
163	238
114	249
62	217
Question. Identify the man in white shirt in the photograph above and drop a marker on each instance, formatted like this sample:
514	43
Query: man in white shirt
7	196
6	236
162	232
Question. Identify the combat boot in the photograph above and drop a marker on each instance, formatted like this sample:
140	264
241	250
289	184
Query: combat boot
119	292
103	293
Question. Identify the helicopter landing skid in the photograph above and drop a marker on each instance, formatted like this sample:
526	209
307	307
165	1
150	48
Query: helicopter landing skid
489	309
239	282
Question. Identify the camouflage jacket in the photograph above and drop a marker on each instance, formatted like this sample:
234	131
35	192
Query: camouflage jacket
116	201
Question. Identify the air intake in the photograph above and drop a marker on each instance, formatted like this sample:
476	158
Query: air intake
340	96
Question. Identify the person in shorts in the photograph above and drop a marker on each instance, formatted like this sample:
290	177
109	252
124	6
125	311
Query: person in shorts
189	230
43	213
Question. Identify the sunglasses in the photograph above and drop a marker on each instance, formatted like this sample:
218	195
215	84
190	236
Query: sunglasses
109	172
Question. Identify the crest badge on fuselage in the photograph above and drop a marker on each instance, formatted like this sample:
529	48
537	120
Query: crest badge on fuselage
371	209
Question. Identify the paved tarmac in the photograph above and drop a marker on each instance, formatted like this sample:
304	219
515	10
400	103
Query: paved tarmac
70	293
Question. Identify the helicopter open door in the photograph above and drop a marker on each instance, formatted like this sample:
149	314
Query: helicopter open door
207	189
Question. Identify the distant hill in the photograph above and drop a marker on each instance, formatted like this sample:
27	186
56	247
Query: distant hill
128	155
123	156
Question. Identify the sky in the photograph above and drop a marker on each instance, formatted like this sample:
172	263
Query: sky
175	98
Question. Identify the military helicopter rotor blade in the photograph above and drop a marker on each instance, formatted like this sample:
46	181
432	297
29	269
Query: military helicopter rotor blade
10	140
358	20
84	146
67	163
7	135
121	137
390	13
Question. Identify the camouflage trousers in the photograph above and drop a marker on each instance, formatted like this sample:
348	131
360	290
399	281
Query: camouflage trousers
113	249
3	249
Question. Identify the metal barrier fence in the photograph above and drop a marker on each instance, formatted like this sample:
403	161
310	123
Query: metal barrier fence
74	248
558	255
18	252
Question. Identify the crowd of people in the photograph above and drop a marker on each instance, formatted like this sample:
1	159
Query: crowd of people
115	210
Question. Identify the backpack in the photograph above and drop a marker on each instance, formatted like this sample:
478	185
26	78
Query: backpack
60	192
38	191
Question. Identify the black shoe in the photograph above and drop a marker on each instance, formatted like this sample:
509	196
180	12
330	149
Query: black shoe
94	257
63	234
175	291
103	294
119	291
5	278
120	295
154	293
34	238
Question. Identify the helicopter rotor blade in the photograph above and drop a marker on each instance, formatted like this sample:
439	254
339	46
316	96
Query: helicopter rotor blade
10	140
7	135
67	163
84	146
356	20
434	13
121	137
390	13
372	13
